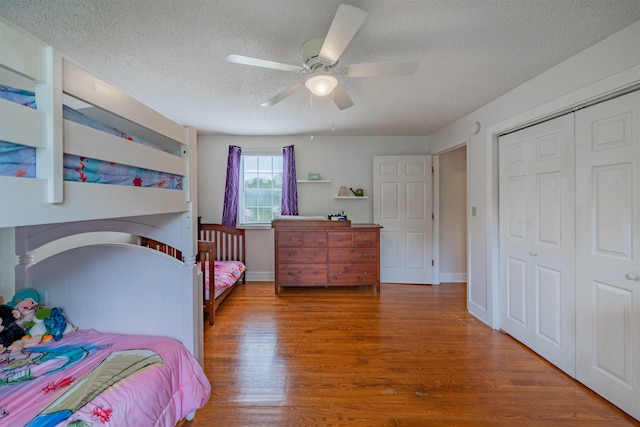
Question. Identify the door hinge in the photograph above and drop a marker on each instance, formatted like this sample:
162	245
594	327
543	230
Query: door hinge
433	216
433	262
433	170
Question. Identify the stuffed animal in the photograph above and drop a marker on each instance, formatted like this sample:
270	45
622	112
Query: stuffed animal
57	324
10	331
50	323
27	308
23	294
39	329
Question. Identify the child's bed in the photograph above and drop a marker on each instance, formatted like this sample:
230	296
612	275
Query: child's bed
64	223
90	378
229	266
227	248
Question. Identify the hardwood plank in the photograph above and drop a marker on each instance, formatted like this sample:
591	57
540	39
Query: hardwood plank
410	356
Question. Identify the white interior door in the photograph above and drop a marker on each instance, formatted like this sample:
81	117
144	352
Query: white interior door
537	283
608	250
402	205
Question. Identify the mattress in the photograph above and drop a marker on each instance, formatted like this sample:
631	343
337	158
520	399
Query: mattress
20	161
91	378
226	275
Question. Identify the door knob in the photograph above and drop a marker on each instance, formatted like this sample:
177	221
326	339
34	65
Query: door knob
533	253
632	276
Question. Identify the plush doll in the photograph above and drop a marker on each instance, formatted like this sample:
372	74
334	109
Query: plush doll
27	308
39	329
10	331
50	323
57	324
23	294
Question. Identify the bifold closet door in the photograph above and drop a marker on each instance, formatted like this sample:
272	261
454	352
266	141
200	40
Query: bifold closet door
537	276
608	250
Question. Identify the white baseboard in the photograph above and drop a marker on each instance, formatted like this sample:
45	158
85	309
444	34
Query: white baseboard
268	276
260	276
453	277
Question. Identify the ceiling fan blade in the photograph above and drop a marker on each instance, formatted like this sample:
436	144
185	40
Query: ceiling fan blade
341	99
247	60
282	95
345	25
381	69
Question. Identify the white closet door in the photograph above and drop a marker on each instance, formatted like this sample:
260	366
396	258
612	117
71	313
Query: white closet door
537	212
608	250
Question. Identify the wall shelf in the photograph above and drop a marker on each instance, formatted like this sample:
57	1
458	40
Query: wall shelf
313	180
350	197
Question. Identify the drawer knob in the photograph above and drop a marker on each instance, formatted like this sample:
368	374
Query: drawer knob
365	254
315	238
339	239
339	253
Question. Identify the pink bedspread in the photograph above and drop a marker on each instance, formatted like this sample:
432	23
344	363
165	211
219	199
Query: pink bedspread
226	274
93	379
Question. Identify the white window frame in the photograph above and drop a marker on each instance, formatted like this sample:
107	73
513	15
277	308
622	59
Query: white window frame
243	220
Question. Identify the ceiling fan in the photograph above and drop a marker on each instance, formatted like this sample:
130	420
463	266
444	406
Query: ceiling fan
320	61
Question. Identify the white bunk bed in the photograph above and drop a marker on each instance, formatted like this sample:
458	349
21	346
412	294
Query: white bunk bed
121	288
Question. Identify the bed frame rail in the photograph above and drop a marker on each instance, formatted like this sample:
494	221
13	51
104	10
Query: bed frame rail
27	63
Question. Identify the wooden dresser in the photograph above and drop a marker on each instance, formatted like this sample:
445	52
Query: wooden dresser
326	253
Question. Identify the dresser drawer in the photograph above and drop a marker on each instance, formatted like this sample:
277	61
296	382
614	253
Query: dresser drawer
314	239
290	238
346	255
365	238
302	274
340	238
301	255
353	273
321	253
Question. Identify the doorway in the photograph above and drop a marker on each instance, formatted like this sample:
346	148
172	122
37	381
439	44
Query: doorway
451	221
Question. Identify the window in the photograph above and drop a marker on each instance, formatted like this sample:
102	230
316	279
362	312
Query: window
260	188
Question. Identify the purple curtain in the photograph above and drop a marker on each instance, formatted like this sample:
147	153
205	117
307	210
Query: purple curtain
232	187
289	186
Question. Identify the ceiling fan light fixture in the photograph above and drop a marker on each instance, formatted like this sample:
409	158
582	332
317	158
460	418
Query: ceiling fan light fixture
321	84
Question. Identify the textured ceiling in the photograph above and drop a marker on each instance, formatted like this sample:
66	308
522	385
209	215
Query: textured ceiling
170	55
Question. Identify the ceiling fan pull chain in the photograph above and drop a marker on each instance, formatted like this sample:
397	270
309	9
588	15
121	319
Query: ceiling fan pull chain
310	116
333	114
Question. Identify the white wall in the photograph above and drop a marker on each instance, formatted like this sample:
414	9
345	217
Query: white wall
604	68
346	161
453	215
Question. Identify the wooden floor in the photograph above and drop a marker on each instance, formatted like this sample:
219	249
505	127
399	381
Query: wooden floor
410	357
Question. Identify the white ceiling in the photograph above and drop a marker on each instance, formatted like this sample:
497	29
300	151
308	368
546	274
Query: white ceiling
170	55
